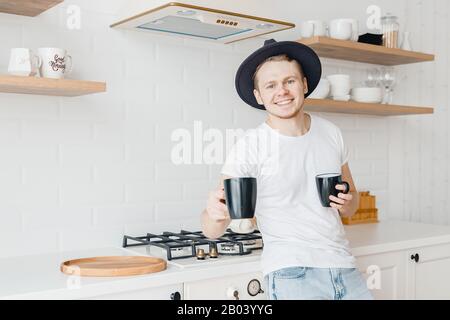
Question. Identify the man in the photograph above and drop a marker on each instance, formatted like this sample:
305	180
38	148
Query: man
306	254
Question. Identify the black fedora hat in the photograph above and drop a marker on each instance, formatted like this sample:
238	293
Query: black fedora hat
305	56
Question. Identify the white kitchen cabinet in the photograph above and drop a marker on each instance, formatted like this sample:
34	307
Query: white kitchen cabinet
227	288
385	274
173	292
429	272
418	273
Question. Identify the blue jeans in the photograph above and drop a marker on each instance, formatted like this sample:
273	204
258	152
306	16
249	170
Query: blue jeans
302	283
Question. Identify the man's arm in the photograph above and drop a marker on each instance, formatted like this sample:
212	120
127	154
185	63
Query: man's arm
347	204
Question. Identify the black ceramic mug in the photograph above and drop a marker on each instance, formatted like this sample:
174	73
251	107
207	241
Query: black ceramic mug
326	186
240	197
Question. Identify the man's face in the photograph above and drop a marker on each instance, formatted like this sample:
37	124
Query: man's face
281	88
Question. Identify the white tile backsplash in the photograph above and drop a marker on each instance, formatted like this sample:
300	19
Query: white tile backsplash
152	192
50	218
80	172
124	172
125	214
179	210
72	194
40	174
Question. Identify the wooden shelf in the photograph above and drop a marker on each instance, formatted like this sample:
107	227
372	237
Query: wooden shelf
352	107
363	52
29	8
50	87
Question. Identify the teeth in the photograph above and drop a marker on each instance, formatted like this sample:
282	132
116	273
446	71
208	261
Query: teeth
282	103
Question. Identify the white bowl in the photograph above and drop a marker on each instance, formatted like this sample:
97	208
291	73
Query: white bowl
340	91
321	91
340	84
367	95
341	98
338	78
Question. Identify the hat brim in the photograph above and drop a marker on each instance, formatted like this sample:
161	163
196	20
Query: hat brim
304	55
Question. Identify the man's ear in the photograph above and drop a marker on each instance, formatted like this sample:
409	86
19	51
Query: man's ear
257	96
305	86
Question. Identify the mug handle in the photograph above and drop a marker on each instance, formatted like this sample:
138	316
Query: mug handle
223	200
38	61
69	62
347	187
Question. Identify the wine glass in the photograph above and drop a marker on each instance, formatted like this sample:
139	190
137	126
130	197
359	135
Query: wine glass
373	78
388	82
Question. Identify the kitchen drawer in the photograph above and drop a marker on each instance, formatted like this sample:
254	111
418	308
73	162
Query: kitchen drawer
226	288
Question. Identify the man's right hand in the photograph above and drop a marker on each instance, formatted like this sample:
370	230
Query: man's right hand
216	207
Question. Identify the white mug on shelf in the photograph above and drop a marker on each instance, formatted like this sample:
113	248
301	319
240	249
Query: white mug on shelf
23	62
341	29
322	90
306	29
340	85
355	28
56	63
313	28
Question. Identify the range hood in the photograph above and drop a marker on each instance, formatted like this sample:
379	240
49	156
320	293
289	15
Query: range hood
202	23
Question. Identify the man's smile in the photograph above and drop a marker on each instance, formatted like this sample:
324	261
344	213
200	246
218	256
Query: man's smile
284	102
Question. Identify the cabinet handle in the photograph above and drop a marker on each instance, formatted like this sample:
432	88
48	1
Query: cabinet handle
175	296
415	257
233	293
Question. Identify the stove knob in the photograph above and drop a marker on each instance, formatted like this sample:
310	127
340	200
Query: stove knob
213	253
233	293
201	254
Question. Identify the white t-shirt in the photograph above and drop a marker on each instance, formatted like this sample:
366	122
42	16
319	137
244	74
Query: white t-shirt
296	229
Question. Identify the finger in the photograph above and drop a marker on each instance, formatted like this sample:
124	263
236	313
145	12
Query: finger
335	206
220	206
220	194
341	187
217	214
337	200
345	196
216	205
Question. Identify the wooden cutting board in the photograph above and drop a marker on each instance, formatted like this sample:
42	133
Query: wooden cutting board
113	266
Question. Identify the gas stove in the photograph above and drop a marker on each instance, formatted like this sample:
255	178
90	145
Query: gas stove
187	248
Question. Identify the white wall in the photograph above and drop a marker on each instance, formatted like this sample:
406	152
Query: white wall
418	146
81	172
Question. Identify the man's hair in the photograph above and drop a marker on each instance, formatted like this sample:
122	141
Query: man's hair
280	57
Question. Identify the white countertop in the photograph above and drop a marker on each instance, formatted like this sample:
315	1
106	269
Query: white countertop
39	277
387	236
